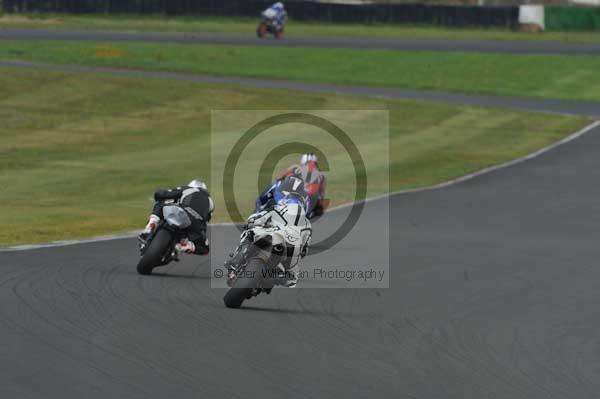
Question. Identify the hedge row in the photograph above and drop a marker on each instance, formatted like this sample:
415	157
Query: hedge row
572	19
299	10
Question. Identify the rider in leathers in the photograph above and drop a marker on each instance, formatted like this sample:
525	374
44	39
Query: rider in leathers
308	170
277	14
289	210
194	196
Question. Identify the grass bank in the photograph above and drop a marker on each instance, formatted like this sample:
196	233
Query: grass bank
81	154
161	23
543	76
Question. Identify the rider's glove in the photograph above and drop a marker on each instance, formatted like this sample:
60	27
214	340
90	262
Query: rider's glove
256	219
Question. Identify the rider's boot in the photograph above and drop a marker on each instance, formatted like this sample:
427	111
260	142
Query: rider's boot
234	260
185	246
288	279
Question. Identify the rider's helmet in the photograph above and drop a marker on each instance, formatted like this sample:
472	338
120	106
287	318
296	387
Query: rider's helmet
278	6
292	189
197	183
309	157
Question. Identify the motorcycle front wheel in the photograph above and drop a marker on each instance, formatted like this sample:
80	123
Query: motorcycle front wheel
261	31
154	253
251	278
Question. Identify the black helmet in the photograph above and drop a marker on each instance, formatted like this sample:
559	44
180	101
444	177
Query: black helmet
292	186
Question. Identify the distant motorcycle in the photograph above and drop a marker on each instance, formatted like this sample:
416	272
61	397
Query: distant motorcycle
159	248
269	26
265	257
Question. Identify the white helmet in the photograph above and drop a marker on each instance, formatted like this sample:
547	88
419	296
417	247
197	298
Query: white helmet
197	183
307	158
278	5
293	213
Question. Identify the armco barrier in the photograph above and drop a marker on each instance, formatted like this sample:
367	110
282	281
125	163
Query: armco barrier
298	10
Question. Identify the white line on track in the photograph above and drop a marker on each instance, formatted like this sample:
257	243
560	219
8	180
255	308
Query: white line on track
449	183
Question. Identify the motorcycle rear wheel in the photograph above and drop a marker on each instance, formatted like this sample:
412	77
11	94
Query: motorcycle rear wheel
154	253
251	278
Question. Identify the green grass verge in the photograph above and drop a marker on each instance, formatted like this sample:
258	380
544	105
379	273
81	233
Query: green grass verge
161	23
81	154
543	76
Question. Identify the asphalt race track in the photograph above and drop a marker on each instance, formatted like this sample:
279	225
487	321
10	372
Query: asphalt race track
480	46
493	294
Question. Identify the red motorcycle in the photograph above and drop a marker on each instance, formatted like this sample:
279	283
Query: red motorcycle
314	186
269	26
315	191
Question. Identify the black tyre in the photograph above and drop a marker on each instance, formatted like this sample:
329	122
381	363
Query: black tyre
317	212
155	252
261	31
242	288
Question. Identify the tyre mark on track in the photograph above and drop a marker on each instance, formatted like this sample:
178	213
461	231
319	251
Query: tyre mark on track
40	337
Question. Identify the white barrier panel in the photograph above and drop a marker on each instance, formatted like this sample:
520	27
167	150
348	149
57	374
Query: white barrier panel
532	14
587	2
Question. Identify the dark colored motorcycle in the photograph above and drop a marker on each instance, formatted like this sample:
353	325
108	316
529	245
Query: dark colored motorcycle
159	247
